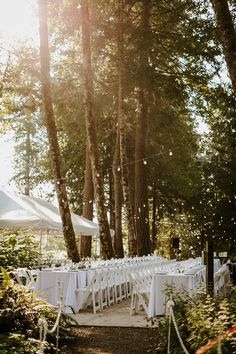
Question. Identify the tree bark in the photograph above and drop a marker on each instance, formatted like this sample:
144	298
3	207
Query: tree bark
122	125
154	216
111	201
105	237
141	188
112	206
119	250
27	162
228	37
85	243
68	230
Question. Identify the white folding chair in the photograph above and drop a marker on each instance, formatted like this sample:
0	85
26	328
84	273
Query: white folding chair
103	284
90	294
32	274
123	284
117	285
110	287
21	276
140	293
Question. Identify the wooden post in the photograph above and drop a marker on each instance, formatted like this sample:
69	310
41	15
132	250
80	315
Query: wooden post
209	268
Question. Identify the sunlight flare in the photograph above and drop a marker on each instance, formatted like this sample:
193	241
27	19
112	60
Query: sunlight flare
18	20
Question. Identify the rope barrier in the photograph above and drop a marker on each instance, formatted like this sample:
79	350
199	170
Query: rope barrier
170	313
177	332
169	332
205	348
43	325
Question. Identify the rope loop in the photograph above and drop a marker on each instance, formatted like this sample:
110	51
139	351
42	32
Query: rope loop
169	312
43	325
169	305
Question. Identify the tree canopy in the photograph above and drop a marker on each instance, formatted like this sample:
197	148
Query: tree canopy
157	70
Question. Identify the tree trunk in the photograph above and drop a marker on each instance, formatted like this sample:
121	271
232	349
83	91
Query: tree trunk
119	250
122	125
86	241
68	230
141	188
228	37
111	200
27	163
112	205
154	216
105	237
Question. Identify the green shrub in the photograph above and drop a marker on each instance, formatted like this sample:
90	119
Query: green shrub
16	343
211	317
181	299
200	319
20	311
18	249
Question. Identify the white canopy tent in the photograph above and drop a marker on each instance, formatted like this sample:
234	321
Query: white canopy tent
20	211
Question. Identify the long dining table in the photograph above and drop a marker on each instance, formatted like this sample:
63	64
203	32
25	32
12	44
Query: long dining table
56	285
190	280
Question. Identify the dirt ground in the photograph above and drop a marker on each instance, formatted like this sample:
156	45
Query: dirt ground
113	340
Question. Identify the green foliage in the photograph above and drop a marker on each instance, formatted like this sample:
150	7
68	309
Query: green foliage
215	202
16	343
178	226
200	319
18	249
183	54
19	314
20	311
182	301
209	318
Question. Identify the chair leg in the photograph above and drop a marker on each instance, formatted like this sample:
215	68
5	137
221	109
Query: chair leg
133	305
110	295
96	301
103	297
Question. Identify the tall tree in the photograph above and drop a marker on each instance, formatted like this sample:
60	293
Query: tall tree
141	186
105	236
118	245
68	230
86	241
122	133
228	37
27	163
176	61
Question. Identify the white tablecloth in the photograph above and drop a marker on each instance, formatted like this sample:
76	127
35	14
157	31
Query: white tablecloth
188	280
48	288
